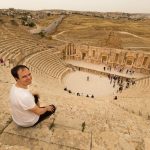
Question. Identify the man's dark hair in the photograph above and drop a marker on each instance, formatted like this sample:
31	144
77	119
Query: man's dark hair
14	70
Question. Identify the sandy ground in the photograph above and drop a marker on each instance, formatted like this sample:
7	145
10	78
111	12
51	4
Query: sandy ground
99	86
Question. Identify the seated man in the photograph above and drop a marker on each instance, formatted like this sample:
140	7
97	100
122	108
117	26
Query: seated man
24	105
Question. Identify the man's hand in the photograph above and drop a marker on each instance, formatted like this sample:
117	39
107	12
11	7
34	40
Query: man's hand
41	110
51	108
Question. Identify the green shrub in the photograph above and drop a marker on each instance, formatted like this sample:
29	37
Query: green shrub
31	24
42	34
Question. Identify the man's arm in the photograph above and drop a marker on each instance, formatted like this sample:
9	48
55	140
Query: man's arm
41	110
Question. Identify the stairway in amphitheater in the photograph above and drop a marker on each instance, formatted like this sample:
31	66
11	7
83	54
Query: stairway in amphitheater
79	123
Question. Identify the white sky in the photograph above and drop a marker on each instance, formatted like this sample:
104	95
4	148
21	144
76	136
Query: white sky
132	6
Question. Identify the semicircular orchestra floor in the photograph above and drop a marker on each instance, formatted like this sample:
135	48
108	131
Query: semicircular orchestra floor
88	84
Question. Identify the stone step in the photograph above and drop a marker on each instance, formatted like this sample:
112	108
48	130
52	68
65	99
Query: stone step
15	147
5	119
43	137
147	143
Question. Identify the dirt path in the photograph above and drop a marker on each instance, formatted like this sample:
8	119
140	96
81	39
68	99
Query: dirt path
55	36
134	35
36	30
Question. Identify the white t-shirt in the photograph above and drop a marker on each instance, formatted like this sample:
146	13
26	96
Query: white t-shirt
21	101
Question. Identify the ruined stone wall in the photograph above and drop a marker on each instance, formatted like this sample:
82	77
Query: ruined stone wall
139	61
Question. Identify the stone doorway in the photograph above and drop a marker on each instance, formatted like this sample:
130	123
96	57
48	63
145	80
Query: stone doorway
104	59
83	56
129	62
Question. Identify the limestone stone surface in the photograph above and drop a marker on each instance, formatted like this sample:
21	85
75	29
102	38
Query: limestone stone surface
5	120
147	143
72	138
15	147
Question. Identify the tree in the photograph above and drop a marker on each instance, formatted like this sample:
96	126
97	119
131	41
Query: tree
42	34
31	24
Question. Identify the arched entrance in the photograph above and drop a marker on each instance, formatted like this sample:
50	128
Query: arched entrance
83	56
104	59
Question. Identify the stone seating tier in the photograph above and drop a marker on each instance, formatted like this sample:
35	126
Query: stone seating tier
12	41
79	122
142	86
47	62
105	128
136	99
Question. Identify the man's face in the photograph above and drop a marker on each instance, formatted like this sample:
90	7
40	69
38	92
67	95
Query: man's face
25	77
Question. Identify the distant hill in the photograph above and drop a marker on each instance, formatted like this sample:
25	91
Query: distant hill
130	31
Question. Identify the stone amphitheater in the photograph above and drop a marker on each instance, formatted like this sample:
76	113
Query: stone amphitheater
80	123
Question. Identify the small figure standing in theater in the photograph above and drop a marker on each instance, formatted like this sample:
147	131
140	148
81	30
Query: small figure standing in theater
92	96
87	95
78	94
87	79
104	68
115	95
65	89
25	108
2	61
